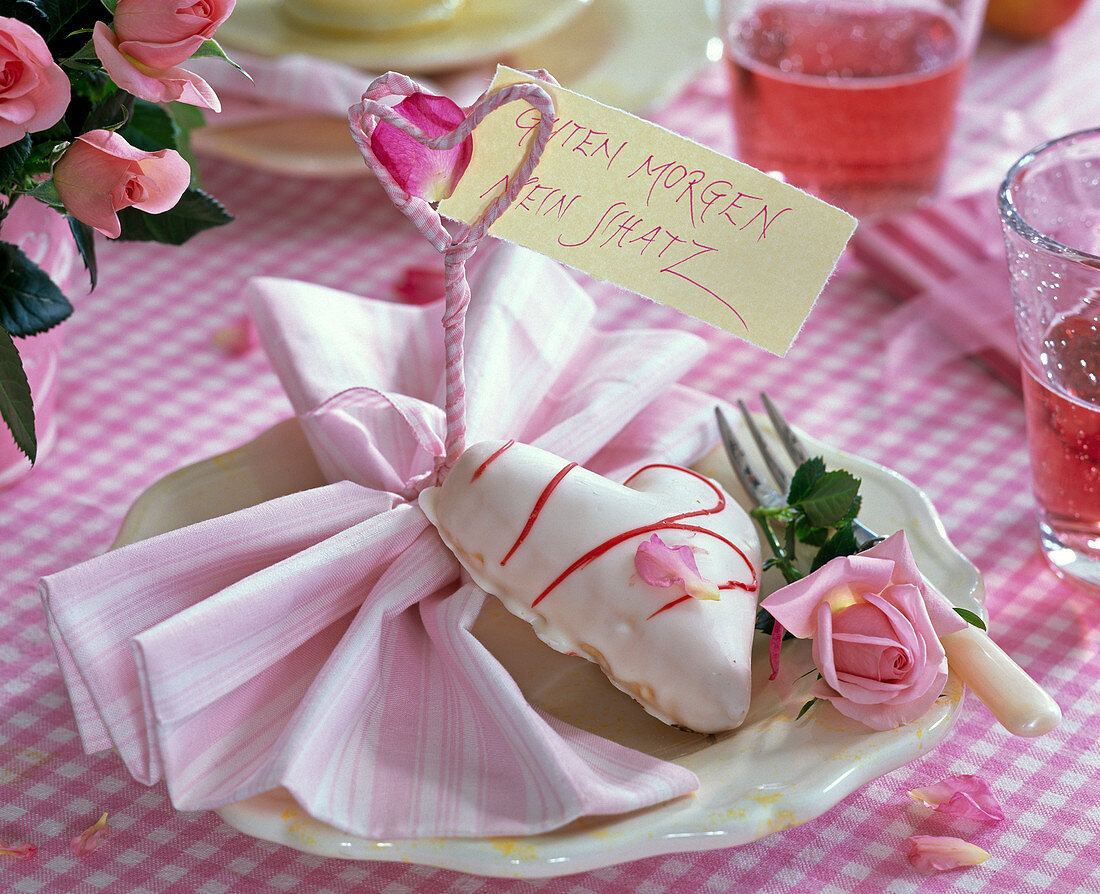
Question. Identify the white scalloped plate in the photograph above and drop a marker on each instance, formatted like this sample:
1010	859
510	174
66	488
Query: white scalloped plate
481	31
773	773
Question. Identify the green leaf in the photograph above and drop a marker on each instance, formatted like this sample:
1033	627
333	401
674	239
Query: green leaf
30	302
971	618
211	49
46	193
60	21
108	113
195	212
830	498
811	535
804	478
841	543
84	237
187	118
14	156
150	127
16	406
806	707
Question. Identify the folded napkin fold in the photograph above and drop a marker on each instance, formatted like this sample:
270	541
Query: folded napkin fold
946	261
321	641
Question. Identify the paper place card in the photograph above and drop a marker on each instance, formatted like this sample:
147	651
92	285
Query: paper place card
627	201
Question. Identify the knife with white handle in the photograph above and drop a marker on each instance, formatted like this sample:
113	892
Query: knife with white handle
1020	704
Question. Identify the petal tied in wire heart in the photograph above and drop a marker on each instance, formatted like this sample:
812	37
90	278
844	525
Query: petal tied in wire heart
430	174
420	147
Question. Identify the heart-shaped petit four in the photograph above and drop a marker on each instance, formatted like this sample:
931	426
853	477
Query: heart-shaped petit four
655	580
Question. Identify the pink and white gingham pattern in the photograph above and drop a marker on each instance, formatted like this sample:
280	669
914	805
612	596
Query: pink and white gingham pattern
146	390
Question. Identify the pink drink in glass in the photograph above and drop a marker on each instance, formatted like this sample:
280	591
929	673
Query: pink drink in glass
854	105
1062	406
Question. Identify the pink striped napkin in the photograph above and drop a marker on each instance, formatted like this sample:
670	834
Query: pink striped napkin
946	260
322	641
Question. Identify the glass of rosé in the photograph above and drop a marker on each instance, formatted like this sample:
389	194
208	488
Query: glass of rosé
1050	213
853	101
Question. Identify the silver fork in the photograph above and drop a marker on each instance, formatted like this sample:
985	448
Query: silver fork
1017	701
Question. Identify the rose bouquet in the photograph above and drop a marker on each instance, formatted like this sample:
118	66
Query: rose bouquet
94	120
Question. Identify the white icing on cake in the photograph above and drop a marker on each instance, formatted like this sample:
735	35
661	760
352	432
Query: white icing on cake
687	664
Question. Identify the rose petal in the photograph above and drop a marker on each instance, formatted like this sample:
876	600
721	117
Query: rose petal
430	174
152	84
965	796
795	605
660	565
21	851
90	839
238	338
775	645
932	853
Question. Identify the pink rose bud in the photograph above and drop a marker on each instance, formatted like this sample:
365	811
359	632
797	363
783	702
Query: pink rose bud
34	91
874	639
100	174
932	853
160	34
167	84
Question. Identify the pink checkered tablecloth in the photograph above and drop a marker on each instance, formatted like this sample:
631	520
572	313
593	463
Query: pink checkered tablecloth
146	390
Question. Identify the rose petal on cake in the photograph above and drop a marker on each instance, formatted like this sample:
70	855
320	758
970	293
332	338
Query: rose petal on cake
430	174
968	797
661	565
934	853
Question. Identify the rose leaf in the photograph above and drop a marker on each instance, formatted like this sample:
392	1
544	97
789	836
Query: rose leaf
804	478
195	212
971	618
14	156
30	302
16	406
830	498
84	237
841	543
150	127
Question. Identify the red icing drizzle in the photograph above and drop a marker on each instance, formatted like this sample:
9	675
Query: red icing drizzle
539	503
485	465
672	523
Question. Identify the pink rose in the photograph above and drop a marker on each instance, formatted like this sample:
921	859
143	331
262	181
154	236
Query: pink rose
150	39
34	91
100	174
875	642
163	33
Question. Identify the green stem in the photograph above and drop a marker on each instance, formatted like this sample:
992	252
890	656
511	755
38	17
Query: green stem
782	559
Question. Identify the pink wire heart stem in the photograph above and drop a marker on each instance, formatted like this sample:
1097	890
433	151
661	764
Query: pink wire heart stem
457	249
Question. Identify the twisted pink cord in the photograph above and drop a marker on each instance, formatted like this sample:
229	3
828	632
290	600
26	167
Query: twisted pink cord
457	249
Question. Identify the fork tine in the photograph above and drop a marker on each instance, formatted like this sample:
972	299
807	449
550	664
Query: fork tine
787	437
759	491
779	474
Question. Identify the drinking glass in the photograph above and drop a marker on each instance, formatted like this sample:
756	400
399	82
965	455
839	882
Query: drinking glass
853	101
1050	212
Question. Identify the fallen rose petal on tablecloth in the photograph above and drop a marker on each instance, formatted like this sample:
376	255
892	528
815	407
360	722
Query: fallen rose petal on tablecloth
321	641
